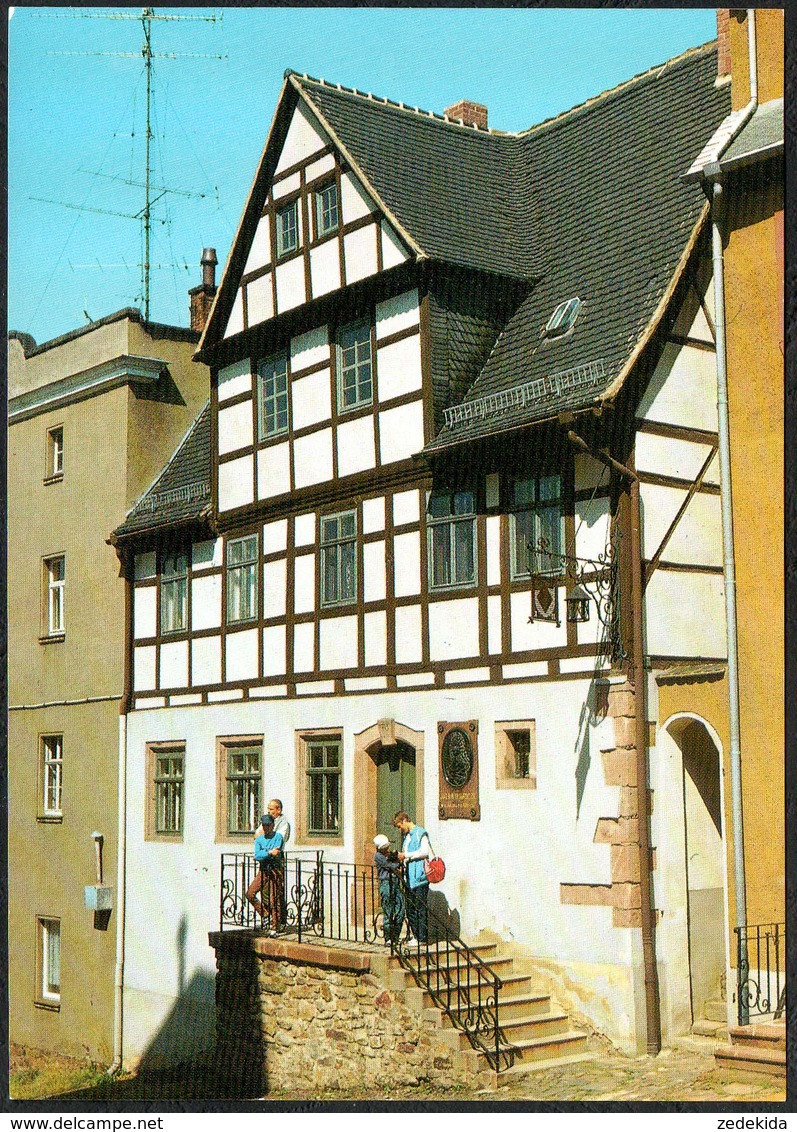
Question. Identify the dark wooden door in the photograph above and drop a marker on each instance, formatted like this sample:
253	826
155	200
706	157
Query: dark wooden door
395	788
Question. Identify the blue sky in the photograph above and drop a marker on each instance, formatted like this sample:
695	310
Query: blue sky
72	117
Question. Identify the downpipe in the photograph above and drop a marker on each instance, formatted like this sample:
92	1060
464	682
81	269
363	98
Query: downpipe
116	1064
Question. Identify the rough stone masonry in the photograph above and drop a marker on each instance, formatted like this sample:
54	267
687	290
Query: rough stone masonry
291	1016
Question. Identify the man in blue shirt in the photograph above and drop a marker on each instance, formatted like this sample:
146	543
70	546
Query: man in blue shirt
415	850
268	854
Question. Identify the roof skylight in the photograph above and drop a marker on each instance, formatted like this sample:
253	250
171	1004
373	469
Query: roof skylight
563	318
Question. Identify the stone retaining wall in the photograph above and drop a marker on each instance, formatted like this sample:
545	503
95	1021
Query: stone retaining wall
292	1016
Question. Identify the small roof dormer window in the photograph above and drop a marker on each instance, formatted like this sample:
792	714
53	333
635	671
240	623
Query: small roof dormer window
563	319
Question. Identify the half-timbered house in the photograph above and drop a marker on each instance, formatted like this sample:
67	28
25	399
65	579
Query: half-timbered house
462	554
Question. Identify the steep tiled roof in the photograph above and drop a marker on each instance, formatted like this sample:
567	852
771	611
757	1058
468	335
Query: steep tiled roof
181	493
613	217
462	193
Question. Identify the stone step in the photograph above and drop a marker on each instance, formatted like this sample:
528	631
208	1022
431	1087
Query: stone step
520	1007
752	1059
759	1035
706	1029
715	1011
521	1068
550	1048
552	1024
451	970
514	987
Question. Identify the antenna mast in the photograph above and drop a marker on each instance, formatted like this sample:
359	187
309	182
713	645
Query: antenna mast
147	16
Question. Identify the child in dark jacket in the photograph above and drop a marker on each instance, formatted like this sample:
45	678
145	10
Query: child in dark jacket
388	869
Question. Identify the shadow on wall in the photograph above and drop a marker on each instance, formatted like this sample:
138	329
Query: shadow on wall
189	1028
593	711
442	918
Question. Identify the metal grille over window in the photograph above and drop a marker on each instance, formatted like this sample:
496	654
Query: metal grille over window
287	229
355	381
326	209
323	773
273	400
339	559
53	768
537	521
242	579
174	593
452	533
243	789
169	773
520	742
55	569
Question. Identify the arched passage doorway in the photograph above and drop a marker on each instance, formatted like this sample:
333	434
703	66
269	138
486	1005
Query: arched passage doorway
705	859
388	776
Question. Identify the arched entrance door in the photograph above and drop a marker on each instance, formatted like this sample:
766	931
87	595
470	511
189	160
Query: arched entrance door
704	861
388	778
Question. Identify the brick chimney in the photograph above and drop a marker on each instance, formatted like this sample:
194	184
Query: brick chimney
471	113
723	42
201	297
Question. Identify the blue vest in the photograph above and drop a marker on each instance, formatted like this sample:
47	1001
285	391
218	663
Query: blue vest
415	870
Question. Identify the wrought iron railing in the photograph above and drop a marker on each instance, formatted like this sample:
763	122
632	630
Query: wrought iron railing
343	902
760	971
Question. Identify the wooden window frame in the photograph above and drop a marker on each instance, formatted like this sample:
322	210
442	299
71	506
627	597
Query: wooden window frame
451	521
324	546
224	745
263	432
318	208
279	211
45	813
304	739
366	325
51	586
154	751
505	755
175	578
533	510
253	566
43	998
54	457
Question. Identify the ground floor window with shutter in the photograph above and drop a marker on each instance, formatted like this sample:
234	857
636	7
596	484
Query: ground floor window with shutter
320	782
48	962
240	787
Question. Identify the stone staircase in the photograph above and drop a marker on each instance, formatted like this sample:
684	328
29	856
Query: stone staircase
714	1021
538	1033
757	1048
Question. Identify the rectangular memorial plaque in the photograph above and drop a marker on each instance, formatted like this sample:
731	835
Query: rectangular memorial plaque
458	765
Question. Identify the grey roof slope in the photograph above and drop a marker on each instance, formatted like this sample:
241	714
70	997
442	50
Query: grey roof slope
181	493
462	193
613	218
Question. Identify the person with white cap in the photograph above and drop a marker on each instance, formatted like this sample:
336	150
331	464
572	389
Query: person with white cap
388	871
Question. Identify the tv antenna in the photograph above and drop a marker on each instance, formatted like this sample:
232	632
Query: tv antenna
147	17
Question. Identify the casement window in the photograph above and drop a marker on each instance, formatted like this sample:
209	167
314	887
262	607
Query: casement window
166	775
242	579
242	802
355	367
55	453
339	559
174	593
287	228
272	400
326	209
323	766
54	582
516	755
536	515
52	775
49	962
451	524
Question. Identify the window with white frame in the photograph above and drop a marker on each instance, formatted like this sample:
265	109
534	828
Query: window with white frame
54	581
339	558
323	766
272	402
52	774
326	209
355	366
174	593
243	770
451	524
49	960
287	228
55	452
242	579
536	515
